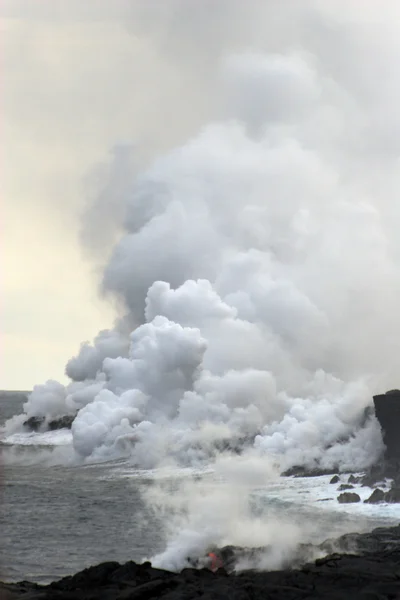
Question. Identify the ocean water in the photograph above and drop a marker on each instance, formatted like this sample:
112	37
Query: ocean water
56	520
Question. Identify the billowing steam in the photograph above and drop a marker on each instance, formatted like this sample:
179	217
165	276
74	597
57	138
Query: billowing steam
259	265
208	514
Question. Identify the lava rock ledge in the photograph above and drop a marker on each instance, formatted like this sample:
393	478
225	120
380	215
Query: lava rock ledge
367	568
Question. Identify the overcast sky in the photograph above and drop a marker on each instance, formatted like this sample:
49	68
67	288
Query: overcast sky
75	82
79	77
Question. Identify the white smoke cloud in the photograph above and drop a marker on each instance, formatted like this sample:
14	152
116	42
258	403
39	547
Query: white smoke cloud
89	361
259	261
46	400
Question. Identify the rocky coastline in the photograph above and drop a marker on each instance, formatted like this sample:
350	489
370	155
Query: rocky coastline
365	566
383	477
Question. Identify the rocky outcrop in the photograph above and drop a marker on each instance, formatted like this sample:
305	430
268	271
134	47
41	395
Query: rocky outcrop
345	486
352	479
64	422
300	471
40	423
367	566
387	411
386	472
348	498
376	497
34	423
393	495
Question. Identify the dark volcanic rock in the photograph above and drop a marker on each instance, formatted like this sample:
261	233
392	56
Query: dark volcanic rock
88	578
34	423
37	423
348	498
299	471
387	410
335	479
393	495
369	569
64	422
376	497
353	479
345	486
376	474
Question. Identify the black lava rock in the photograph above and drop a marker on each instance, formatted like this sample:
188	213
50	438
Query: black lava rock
64	422
301	471
368	568
393	496
34	423
37	423
353	479
387	410
348	498
345	486
376	497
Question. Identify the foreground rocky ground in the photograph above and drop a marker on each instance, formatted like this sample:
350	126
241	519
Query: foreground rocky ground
367	568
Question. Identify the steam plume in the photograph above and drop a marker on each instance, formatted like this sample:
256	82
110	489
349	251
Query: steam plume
258	265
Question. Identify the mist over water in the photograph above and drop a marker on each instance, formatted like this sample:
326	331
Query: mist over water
257	263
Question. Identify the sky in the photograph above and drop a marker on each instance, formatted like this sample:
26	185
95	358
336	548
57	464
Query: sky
78	79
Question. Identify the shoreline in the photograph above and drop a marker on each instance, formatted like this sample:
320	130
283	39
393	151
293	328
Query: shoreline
367	566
